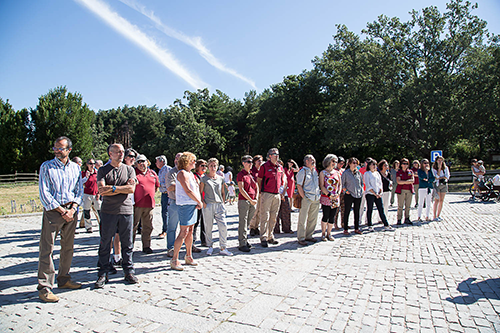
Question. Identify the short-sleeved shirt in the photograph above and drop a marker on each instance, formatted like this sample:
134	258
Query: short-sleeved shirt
119	176
404	175
90	186
212	189
171	177
145	189
249	184
416	181
309	180
272	177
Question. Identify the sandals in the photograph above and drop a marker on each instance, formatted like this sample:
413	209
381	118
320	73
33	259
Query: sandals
175	265
188	260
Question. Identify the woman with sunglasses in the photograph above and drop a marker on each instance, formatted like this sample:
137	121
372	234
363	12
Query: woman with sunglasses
352	186
199	171
426	180
442	175
247	201
374	191
404	190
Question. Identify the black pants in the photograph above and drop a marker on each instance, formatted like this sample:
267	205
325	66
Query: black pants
349	200
199	221
380	207
328	213
109	224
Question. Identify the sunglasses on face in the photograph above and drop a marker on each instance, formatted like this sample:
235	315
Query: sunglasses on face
404	163
131	156
203	165
141	162
247	161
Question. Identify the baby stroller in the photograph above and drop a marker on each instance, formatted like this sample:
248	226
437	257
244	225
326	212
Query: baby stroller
486	190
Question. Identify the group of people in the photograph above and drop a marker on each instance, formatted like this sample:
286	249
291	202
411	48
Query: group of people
193	193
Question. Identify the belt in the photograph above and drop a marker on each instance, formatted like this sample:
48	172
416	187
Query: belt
67	205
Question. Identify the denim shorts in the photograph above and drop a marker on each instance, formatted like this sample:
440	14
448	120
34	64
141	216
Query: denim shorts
187	214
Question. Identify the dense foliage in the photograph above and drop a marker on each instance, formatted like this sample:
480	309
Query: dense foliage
399	89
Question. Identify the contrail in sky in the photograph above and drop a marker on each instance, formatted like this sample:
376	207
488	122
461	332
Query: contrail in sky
195	42
134	34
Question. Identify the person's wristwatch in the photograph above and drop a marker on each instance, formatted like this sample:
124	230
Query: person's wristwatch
114	188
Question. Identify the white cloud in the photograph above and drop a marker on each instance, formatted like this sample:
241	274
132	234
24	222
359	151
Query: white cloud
195	42
134	34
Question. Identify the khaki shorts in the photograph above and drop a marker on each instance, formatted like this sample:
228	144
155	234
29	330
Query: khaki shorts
441	188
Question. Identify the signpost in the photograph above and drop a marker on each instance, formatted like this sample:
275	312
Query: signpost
435	154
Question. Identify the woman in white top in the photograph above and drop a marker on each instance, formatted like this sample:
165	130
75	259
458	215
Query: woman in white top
442	175
188	199
374	191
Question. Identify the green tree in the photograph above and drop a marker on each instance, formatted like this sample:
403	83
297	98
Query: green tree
58	113
13	134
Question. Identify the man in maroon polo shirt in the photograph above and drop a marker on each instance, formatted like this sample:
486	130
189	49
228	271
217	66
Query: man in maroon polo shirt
272	185
144	196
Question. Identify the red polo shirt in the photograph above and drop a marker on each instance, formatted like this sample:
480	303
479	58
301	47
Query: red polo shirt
249	184
145	189
272	177
254	172
404	175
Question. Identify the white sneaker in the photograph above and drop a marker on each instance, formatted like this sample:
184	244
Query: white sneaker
388	228
225	252
210	251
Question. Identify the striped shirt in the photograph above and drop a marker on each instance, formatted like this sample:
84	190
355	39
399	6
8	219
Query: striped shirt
162	175
60	184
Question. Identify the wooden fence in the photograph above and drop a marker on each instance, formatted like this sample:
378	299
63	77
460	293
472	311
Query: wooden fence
466	176
19	177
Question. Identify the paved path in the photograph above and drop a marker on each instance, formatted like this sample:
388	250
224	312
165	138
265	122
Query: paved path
435	277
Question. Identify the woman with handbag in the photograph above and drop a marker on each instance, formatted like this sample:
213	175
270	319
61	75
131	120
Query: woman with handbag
330	185
442	175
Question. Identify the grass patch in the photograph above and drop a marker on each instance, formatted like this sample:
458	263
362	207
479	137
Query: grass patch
22	194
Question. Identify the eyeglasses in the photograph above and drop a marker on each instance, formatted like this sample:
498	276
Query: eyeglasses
59	149
275	154
140	162
404	163
203	165
131	156
90	163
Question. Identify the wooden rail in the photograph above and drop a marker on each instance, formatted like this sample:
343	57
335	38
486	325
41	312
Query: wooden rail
19	177
466	176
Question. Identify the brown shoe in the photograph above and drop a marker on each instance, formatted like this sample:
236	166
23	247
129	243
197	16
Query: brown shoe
195	249
71	285
46	295
303	243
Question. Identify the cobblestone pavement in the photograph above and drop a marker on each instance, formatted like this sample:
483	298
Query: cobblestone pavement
434	277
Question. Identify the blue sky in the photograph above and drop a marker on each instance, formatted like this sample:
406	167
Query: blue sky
146	52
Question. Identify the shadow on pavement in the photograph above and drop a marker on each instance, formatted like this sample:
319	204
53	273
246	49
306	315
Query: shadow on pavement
488	289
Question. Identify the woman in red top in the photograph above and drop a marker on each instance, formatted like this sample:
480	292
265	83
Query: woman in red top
285	211
404	190
90	193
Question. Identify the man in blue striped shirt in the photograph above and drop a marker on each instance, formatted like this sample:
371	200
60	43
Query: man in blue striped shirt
61	192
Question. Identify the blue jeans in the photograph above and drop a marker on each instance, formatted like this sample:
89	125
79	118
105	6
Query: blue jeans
172	223
164	211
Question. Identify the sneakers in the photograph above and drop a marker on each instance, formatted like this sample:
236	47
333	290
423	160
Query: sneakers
112	271
244	248
263	243
273	241
388	228
131	278
225	252
71	285
210	251
170	253
147	250
48	296
370	229
101	281
117	263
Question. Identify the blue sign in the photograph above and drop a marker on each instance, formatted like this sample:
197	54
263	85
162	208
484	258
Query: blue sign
435	154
